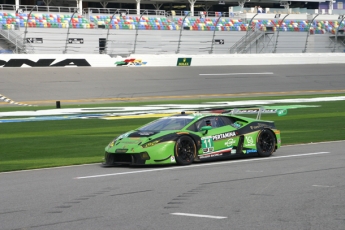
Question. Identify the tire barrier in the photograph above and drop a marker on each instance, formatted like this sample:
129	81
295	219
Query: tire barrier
10	101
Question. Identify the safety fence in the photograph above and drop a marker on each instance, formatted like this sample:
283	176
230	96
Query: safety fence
118	34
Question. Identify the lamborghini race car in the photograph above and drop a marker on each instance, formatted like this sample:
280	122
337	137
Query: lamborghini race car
186	138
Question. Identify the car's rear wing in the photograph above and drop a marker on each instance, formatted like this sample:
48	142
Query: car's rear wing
258	111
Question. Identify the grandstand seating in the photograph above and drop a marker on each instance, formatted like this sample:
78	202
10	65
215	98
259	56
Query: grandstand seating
41	20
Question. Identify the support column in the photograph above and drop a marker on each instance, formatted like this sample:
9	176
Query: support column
47	2
286	6
104	4
17	4
138	6
330	6
157	6
241	3
80	6
206	7
192	2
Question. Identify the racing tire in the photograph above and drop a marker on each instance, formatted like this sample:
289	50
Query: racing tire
185	150
266	143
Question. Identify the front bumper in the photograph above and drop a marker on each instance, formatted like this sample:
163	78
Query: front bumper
111	159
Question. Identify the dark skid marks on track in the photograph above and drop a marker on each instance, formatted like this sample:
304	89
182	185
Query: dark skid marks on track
184	197
56	223
70	204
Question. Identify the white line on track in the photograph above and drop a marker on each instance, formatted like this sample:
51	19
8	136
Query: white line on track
323	186
232	74
200	165
198	215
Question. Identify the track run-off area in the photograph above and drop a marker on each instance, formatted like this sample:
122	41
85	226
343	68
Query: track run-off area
299	187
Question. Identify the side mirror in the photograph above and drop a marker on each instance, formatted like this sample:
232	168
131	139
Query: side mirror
205	129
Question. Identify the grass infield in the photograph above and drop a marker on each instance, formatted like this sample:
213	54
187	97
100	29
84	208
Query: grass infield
40	144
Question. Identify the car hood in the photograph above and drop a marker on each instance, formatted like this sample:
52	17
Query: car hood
141	137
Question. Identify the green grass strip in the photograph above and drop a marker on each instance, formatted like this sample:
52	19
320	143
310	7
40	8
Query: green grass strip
31	145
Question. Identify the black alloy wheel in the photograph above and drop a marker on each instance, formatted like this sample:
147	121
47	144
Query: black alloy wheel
266	143
185	150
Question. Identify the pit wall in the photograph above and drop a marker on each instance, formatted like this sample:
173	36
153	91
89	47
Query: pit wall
180	60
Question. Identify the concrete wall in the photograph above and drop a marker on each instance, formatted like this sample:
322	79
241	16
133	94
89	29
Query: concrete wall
122	42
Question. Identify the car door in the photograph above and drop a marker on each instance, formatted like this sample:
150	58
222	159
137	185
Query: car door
219	140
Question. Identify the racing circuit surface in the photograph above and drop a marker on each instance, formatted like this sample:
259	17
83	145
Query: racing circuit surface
81	85
299	187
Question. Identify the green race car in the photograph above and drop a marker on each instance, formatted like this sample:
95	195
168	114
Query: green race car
186	138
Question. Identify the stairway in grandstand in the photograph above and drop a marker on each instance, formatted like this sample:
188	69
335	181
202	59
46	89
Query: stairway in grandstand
247	40
15	42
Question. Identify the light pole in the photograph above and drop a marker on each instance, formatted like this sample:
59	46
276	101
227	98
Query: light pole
214	33
342	17
136	31
26	29
280	24
106	41
249	25
308	32
179	39
75	11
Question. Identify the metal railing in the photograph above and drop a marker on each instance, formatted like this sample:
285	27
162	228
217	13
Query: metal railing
123	12
26	8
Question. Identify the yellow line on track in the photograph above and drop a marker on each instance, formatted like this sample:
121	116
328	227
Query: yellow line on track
151	98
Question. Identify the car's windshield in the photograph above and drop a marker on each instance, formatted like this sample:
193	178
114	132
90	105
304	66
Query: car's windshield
167	123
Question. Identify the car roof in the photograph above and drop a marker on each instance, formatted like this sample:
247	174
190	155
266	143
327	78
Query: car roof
196	115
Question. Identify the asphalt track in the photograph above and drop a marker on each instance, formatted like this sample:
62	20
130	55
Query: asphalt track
85	85
300	187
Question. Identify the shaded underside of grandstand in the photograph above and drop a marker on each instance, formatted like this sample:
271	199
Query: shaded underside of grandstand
116	33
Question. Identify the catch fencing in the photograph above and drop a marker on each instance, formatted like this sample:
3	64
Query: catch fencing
250	37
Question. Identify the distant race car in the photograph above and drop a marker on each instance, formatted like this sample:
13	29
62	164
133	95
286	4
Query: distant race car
186	138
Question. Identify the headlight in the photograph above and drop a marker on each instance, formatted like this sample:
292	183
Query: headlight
150	144
112	143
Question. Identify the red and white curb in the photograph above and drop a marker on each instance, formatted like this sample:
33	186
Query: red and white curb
10	101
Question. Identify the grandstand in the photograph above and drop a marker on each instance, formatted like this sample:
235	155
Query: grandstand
36	29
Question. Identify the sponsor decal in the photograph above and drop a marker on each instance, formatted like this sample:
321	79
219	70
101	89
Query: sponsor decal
250	151
211	155
184	61
282	112
207	150
233	151
172	159
230	142
43	63
260	126
223	136
207	144
131	62
219	41
145	133
76	40
34	40
250	141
